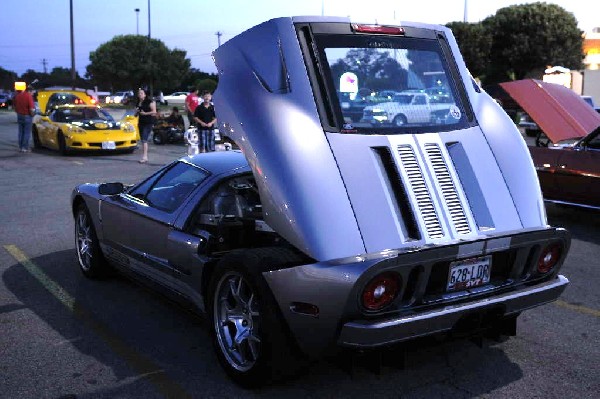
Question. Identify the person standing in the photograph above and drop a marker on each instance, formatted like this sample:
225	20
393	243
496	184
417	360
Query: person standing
25	109
206	119
146	112
191	102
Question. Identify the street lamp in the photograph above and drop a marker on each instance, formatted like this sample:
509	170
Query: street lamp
137	21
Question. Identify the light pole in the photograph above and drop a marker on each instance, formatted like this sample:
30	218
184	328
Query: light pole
137	21
148	19
72	45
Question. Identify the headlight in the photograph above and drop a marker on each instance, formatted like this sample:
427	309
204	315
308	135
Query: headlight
128	127
75	129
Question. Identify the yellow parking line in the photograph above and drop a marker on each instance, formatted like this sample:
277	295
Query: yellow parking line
578	308
139	363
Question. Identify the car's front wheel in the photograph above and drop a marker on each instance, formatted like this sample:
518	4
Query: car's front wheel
62	143
89	254
399	120
249	336
36	138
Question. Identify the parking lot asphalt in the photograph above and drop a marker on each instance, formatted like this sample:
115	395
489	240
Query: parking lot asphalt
63	336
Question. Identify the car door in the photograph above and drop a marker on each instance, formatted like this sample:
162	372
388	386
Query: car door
151	218
579	172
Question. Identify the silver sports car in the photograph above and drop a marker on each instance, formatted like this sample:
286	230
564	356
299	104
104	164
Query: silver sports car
325	231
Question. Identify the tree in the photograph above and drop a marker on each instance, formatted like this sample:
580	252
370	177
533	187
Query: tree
194	77
375	69
130	61
474	42
7	79
206	85
527	38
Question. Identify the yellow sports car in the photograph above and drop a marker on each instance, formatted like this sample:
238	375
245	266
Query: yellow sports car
71	121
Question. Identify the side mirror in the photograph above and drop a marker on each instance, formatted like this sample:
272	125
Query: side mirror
111	188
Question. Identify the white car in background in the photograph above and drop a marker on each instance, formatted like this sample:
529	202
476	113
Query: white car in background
120	97
176	98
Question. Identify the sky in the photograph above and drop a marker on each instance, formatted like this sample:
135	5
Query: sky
36	30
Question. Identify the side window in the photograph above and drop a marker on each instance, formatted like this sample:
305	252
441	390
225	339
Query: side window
231	201
420	100
172	188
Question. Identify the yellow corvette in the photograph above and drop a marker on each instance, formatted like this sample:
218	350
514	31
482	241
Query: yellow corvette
71	121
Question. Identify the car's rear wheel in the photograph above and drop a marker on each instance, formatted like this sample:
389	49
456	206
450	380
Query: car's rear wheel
249	336
36	138
157	138
89	254
399	120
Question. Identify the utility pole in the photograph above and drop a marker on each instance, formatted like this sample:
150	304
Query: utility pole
73	46
137	21
148	19
219	34
465	15
45	64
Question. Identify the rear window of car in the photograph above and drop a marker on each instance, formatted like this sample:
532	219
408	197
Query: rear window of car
388	84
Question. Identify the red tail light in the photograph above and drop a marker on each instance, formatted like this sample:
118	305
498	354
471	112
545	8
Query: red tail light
380	291
378	29
549	257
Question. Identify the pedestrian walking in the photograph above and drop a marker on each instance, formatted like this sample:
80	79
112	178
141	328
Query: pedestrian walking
205	118
191	102
146	112
25	109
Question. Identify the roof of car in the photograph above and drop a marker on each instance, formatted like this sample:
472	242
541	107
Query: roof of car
219	161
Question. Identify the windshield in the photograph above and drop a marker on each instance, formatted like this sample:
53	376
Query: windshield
70	115
391	84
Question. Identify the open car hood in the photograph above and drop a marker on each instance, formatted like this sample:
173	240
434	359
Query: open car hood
559	111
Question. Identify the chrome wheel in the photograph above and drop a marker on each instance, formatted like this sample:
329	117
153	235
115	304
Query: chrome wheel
84	240
236	320
399	120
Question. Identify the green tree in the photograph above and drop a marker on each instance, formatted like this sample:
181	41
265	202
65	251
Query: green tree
474	42
206	85
7	79
194	77
130	61
527	38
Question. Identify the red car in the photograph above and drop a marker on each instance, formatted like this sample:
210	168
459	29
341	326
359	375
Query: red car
569	167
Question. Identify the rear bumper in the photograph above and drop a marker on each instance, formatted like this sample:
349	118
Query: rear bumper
365	334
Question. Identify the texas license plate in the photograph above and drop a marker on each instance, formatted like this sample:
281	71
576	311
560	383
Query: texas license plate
469	273
108	145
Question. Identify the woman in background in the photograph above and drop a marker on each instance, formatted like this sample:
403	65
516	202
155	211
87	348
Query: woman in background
146	112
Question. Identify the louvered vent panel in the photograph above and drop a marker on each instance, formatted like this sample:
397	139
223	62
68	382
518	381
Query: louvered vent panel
419	188
442	174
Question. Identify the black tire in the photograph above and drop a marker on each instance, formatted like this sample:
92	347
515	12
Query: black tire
265	351
542	140
157	138
531	132
399	120
36	138
89	254
62	144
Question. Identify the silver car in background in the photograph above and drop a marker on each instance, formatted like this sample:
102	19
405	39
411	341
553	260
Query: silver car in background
330	232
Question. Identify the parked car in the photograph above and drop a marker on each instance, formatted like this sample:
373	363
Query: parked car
320	234
569	166
590	101
121	97
5	100
175	98
407	107
71	122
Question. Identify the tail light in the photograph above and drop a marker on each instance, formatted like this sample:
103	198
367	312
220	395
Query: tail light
380	291
549	257
378	29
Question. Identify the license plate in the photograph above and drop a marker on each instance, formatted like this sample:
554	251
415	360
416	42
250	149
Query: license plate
469	273
108	145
